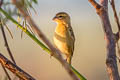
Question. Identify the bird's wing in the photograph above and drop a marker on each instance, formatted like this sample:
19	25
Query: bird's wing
72	41
70	30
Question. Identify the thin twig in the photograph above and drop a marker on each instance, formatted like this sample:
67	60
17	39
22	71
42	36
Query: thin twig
2	29
55	51
112	2
8	76
111	61
15	69
6	44
117	36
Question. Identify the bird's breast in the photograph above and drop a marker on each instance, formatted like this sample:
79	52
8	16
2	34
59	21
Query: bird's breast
61	38
61	45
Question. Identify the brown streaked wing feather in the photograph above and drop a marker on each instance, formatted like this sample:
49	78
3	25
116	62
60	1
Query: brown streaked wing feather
71	32
73	38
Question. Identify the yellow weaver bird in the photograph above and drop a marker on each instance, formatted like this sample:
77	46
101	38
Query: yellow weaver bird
64	38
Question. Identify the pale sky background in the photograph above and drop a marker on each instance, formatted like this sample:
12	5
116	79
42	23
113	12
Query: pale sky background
90	52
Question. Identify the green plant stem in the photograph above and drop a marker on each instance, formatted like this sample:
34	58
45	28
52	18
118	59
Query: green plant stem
38	41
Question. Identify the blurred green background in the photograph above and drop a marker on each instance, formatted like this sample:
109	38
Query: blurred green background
90	47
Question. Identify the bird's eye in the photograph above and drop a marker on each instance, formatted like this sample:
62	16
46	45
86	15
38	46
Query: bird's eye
60	16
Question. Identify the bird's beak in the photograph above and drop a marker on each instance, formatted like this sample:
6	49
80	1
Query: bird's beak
54	18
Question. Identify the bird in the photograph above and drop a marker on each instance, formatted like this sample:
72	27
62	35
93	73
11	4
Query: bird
64	38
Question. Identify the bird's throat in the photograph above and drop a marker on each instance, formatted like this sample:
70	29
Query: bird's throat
61	30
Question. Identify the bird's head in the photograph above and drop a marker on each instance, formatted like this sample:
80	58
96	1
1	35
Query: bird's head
62	18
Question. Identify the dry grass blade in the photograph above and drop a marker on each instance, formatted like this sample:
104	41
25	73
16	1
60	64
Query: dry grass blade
8	30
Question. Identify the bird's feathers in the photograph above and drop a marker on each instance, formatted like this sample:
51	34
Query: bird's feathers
64	37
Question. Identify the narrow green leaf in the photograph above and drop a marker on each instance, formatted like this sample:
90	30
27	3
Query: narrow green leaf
78	74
